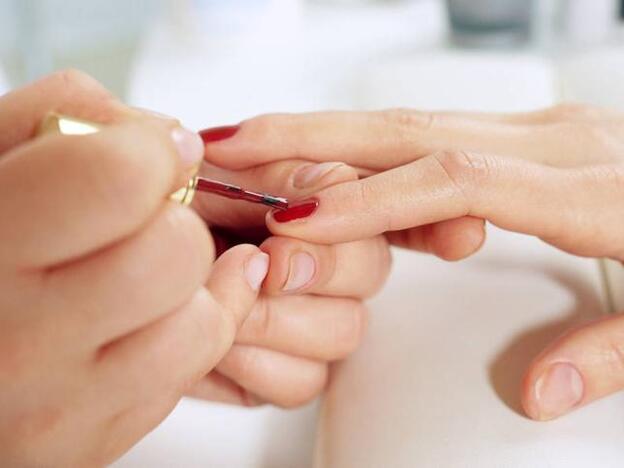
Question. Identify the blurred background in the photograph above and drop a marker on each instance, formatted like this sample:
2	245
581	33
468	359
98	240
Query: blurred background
241	57
213	62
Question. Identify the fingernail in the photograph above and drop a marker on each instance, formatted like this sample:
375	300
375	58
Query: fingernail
308	176
256	270
558	390
189	145
297	211
212	135
301	271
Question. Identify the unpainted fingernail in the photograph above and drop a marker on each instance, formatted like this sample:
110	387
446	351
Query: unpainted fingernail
189	145
559	389
308	176
256	270
301	271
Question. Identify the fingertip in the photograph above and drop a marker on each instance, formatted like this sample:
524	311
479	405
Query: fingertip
553	391
236	278
456	239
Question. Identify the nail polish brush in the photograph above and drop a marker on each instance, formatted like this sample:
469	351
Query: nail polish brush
57	123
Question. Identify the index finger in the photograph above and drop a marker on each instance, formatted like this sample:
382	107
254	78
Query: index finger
362	138
68	92
558	205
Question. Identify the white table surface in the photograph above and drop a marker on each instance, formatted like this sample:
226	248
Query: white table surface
399	401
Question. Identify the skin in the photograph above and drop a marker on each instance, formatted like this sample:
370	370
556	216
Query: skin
433	179
114	301
283	351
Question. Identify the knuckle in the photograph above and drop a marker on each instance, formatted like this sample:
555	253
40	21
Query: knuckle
465	171
407	119
267	124
364	194
69	80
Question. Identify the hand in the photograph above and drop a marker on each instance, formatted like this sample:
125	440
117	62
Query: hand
310	312
109	306
435	177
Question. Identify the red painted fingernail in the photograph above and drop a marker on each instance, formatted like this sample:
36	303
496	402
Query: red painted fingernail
212	135
300	210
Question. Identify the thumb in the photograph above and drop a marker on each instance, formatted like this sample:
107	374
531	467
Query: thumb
584	365
234	283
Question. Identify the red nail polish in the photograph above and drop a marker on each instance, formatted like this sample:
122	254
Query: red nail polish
300	210
211	135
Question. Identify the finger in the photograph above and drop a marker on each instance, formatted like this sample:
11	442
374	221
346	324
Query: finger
170	355
313	327
67	196
276	378
451	240
584	365
352	269
131	284
225	282
290	179
69	92
558	205
399	135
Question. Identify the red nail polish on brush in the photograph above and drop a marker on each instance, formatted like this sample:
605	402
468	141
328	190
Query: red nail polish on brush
212	135
297	211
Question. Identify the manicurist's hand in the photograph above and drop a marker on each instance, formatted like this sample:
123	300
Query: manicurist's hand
110	305
434	178
310	312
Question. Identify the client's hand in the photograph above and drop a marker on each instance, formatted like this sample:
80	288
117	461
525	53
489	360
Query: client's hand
310	311
435	177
